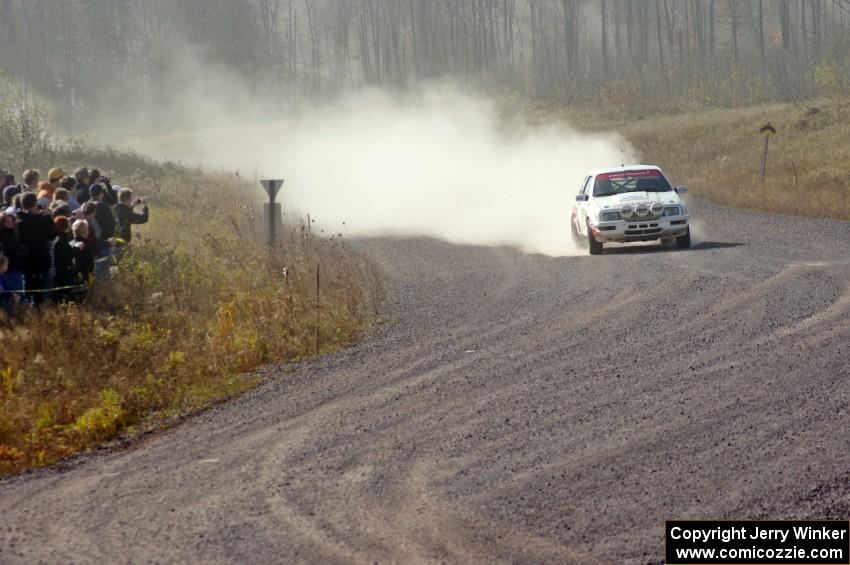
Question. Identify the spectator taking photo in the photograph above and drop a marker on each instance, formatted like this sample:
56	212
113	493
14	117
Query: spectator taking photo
126	216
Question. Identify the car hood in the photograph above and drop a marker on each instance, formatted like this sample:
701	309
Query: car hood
616	201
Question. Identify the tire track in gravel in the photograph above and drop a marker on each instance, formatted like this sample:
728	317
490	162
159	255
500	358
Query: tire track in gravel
517	408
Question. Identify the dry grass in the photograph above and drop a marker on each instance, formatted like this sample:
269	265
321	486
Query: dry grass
717	153
196	303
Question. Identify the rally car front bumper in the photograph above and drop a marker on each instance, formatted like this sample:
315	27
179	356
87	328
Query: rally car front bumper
623	231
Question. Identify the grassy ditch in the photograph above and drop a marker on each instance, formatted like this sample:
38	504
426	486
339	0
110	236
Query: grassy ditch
195	304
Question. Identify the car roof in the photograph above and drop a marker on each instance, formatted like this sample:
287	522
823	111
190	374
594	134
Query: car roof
623	168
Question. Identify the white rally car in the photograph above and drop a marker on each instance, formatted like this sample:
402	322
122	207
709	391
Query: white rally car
623	204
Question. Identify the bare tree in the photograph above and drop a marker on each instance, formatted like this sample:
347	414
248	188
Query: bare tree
83	54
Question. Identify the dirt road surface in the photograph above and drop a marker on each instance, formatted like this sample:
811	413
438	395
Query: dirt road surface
515	408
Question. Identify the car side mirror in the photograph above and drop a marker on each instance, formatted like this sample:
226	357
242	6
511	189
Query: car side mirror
581	197
681	189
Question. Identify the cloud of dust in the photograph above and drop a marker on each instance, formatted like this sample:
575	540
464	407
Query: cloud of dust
439	163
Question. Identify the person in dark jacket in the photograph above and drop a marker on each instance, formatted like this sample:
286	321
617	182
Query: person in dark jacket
64	273
9	194
70	185
110	196
7	179
36	233
88	211
83	257
7	299
105	217
126	215
82	176
30	184
9	189
11	248
60	206
105	220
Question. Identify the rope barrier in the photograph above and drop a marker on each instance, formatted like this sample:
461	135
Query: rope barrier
43	290
47	290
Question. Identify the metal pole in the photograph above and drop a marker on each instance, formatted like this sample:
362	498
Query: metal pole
272	187
318	307
764	158
272	222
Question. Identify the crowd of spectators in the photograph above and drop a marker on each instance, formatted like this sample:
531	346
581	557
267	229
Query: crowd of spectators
57	236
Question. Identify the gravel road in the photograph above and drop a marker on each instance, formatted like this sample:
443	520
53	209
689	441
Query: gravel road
515	408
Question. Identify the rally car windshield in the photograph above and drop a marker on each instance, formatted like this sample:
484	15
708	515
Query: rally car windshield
608	184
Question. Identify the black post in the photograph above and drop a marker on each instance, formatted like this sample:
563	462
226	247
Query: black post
272	187
767	130
272	222
764	157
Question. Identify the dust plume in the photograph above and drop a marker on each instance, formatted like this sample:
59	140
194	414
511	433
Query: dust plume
441	163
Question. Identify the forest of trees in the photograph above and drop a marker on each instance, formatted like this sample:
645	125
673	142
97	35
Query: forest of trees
84	54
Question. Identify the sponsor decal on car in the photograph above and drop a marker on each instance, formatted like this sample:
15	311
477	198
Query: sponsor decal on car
628	174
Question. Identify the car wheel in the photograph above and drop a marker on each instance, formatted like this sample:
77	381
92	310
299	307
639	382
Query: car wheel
594	247
684	241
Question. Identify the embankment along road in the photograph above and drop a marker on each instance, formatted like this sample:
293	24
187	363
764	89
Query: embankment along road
516	408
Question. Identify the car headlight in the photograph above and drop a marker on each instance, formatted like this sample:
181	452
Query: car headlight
672	211
609	216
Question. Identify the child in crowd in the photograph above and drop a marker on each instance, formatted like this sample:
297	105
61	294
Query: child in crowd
83	256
